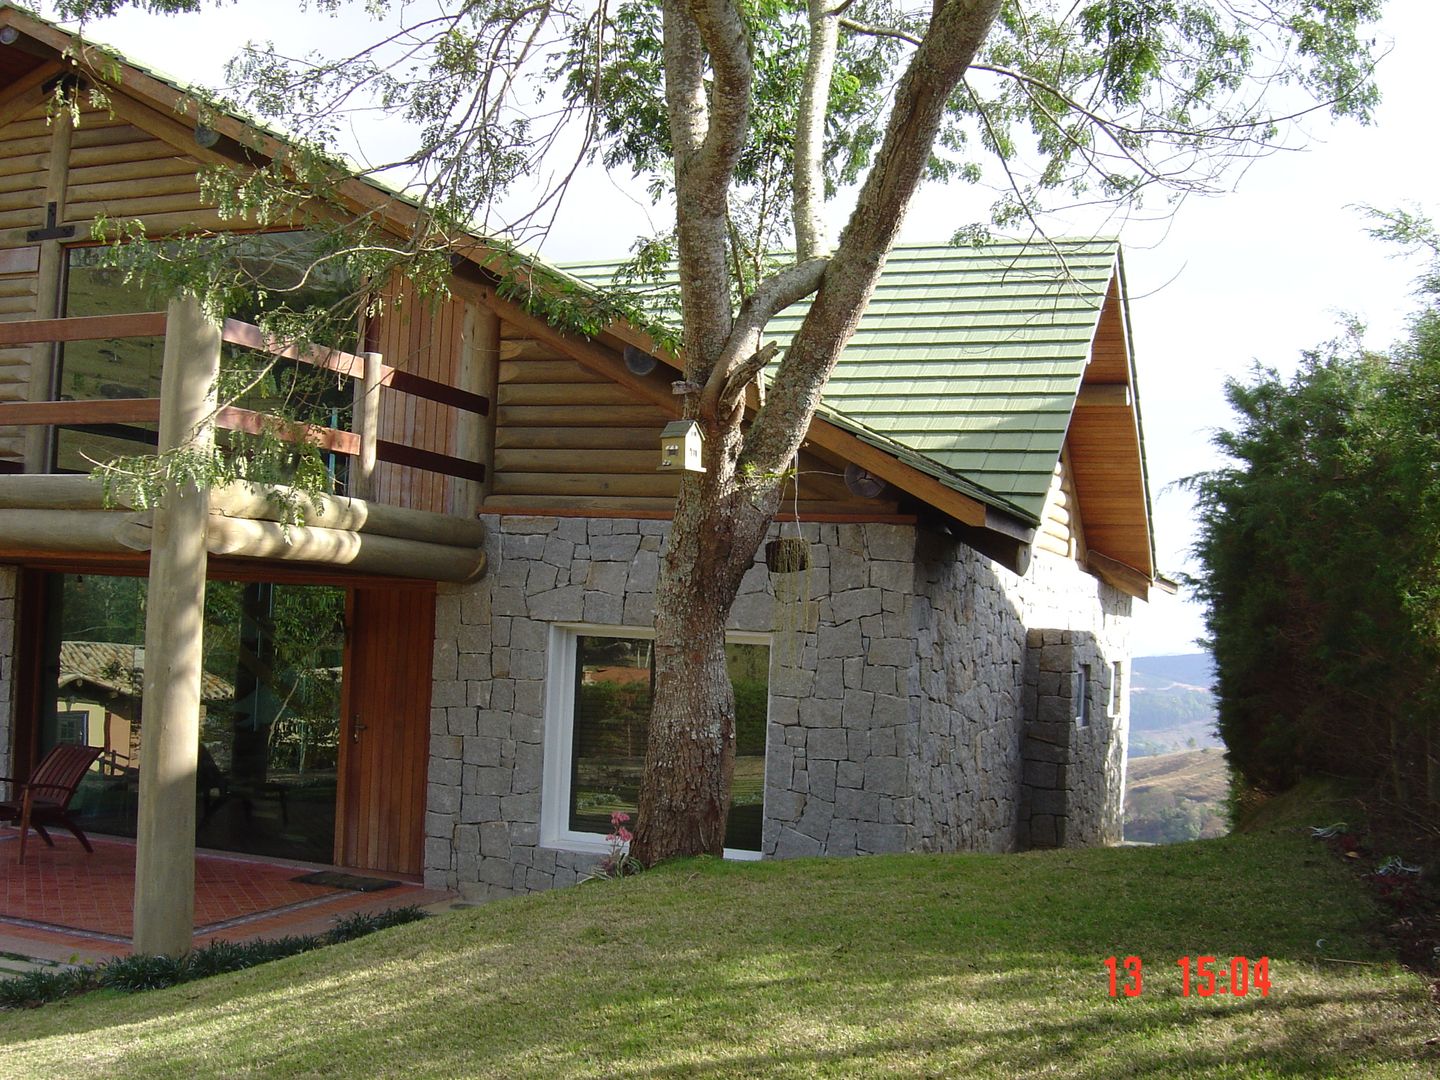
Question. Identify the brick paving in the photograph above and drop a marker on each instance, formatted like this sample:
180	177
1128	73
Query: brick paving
64	904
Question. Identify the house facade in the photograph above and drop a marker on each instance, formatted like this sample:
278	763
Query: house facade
443	670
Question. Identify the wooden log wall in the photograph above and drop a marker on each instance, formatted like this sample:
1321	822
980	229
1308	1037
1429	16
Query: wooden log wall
423	338
568	437
114	168
1060	530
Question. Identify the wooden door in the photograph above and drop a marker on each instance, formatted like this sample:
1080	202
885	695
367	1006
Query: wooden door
385	733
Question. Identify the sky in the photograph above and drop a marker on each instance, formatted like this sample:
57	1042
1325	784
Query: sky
1258	274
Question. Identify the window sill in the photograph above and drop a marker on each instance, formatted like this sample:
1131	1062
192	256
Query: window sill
588	844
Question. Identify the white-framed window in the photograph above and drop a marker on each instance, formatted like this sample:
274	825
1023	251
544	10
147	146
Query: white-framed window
597	708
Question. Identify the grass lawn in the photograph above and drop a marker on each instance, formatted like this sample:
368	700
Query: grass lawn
909	965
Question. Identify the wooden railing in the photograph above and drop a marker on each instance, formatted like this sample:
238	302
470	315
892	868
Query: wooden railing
107	411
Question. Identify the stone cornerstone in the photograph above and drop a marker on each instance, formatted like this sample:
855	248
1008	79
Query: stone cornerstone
901	670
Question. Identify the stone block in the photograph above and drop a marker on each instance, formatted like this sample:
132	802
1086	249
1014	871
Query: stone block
822	779
820	713
891	652
477	808
1046	801
558	551
829	680
604	608
444	746
437	853
857	708
784	804
856	805
880	680
542	578
879	838
890	710
527	524
826	744
445	771
461	720
644	571
849	774
442	799
792	845
1043	832
616	548
1042	774
753	611
491	781
639	609
854	604
564	604
848	570
508	601
896	542
886	775
522	546
840	640
898	577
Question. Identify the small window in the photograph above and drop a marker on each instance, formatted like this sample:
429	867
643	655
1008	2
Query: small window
1117	687
597	724
1082	696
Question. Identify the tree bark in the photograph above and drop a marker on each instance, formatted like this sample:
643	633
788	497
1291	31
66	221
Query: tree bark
722	515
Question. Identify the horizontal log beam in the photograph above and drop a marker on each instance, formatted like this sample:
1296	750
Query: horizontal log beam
64	531
84	328
234	418
337	547
81	413
333	512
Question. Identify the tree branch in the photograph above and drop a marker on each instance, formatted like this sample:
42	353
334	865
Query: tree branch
741	377
772	296
809	182
880	31
957	30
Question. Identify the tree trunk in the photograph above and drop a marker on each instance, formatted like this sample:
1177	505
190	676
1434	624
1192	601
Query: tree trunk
690	756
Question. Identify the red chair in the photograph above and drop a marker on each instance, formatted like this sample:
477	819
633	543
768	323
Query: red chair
44	799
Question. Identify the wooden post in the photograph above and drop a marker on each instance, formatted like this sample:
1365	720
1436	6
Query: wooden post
174	626
477	372
49	282
367	426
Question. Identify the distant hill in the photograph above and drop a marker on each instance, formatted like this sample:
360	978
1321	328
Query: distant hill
1158	672
1170	798
1172	705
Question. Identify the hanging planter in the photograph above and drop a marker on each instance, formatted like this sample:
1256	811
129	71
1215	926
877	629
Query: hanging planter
787	555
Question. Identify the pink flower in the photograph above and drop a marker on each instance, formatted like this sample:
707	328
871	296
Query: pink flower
619	817
625	835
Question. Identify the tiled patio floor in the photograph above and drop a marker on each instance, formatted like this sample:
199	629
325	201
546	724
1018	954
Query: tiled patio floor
63	903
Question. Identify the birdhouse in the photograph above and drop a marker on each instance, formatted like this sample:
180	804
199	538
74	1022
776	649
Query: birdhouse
680	447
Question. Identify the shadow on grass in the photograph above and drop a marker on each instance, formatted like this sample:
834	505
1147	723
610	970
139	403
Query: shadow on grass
928	965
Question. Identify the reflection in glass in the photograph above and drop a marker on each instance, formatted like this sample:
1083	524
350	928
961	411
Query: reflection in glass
614	680
270	709
284	271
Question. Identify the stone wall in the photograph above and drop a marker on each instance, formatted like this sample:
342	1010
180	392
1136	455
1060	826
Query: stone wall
897	676
1075	727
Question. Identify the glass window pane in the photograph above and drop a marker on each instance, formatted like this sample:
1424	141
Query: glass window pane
613	679
270	708
613	682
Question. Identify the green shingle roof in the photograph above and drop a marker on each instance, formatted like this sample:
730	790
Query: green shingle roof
968	360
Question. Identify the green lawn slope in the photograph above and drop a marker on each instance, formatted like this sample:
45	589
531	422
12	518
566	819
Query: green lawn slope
913	965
